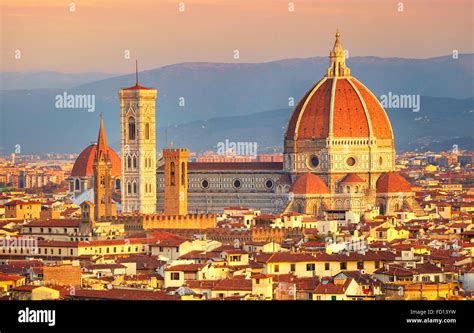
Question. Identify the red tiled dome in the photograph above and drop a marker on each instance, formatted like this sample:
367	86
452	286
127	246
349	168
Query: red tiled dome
352	178
356	112
309	183
83	167
339	105
392	182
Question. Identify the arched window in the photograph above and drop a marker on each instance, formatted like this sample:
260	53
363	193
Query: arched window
129	162
135	188
147	131
316	210
172	174
78	185
131	128
348	189
183	174
134	162
117	184
129	188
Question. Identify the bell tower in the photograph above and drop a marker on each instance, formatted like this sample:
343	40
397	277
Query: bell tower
103	182
176	181
138	143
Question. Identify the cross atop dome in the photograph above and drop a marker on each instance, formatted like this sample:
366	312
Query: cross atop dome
338	60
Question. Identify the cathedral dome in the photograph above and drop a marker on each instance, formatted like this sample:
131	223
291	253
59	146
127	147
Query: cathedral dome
309	183
83	167
339	106
392	182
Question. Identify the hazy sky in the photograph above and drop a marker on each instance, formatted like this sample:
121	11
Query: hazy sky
96	35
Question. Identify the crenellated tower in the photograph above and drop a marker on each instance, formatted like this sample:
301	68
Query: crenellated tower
176	181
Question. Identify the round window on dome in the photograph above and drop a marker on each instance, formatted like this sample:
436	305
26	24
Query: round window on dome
237	183
269	183
314	161
205	183
351	161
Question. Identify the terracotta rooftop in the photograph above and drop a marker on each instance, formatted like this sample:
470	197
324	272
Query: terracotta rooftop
309	183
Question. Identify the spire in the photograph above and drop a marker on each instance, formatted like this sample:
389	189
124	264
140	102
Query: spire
338	60
136	72
102	148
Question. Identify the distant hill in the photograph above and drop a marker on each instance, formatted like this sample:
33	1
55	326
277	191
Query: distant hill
47	79
440	123
215	91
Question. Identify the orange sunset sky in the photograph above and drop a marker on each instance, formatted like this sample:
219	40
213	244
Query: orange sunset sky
95	36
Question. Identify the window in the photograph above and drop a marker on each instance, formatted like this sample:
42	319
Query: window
343	265
129	188
175	276
183	174
135	190
235	258
237	183
134	162
326	266
277	268
310	267
377	264
360	265
129	162
292	267
314	161
351	161
172	174
147	131
269	184
78	185
131	128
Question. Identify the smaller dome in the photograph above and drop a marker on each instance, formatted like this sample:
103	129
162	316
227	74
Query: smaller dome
309	183
392	182
352	178
83	167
